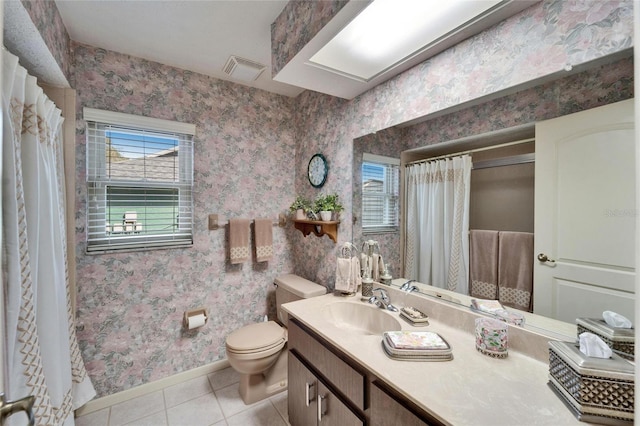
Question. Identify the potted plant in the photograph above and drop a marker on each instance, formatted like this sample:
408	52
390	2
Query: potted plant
328	206
299	207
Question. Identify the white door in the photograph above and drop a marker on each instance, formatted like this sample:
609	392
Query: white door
585	214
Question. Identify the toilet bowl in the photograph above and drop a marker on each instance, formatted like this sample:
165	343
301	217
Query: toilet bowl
256	347
258	351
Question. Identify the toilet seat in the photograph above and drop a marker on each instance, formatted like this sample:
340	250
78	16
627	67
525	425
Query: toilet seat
260	338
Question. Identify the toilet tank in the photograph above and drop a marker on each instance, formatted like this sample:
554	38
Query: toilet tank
291	287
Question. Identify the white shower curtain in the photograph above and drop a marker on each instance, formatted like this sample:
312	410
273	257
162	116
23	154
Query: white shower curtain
437	242
42	350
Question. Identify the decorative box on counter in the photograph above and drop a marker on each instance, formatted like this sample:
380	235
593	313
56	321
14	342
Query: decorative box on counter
621	340
596	390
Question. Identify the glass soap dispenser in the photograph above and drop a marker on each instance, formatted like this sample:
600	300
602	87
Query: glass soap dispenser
386	278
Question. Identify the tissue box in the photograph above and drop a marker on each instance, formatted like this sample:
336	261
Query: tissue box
618	339
596	390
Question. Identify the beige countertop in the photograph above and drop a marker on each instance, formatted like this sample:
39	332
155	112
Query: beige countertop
472	389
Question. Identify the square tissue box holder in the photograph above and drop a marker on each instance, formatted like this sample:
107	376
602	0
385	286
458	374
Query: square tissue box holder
621	340
596	390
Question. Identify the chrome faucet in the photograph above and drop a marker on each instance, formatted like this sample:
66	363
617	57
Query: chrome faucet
383	301
408	287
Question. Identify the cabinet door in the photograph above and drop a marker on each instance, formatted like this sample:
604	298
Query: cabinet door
339	373
333	412
302	393
387	411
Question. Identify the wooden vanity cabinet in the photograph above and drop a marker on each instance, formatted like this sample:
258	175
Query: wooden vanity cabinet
386	410
311	402
350	395
302	392
340	373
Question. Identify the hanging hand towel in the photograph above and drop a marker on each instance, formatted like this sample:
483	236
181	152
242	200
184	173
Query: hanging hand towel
381	267
264	239
239	240
343	275
356	278
377	267
515	270
483	271
364	264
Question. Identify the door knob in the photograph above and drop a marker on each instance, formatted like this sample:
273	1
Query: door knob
543	258
8	408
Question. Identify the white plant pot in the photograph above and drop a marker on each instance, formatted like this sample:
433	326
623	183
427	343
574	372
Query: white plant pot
300	214
325	216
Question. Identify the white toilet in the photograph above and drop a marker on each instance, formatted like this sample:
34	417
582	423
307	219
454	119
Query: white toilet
258	351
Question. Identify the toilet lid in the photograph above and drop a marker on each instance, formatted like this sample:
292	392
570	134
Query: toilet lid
256	337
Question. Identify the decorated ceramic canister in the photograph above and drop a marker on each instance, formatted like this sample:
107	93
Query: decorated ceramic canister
491	337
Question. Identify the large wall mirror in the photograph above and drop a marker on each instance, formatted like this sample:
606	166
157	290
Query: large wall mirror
511	204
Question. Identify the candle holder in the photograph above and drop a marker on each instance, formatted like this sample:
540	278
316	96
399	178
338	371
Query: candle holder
491	337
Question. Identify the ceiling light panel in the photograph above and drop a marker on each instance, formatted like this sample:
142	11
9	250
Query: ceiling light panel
389	32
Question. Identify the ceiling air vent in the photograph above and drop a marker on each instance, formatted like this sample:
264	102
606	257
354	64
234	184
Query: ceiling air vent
243	69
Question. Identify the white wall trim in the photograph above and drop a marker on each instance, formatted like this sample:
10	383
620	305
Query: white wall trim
148	123
116	398
382	159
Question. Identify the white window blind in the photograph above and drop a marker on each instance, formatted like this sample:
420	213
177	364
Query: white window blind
380	189
139	182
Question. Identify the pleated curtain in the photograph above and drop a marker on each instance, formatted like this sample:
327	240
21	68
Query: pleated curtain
42	350
437	206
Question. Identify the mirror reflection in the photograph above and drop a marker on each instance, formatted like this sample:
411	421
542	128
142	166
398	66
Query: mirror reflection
503	198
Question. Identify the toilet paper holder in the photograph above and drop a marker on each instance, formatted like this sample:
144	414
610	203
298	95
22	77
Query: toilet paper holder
192	313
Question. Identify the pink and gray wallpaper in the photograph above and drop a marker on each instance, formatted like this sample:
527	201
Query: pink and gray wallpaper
130	304
47	19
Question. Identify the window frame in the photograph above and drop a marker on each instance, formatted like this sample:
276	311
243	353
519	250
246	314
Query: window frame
390	195
99	238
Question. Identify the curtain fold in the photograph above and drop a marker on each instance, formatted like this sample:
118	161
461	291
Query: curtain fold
43	355
437	243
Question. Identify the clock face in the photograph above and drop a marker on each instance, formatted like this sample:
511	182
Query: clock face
318	169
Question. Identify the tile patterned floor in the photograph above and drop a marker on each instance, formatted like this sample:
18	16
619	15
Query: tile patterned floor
210	400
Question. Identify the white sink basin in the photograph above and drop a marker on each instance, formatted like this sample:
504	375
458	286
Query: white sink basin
360	318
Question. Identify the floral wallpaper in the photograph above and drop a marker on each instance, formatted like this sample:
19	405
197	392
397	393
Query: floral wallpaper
601	85
130	305
519	53
297	24
248	139
47	19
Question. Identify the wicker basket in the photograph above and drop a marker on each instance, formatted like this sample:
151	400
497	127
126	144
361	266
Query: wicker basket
596	390
621	340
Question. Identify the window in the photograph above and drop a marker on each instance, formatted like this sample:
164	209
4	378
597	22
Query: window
139	182
380	188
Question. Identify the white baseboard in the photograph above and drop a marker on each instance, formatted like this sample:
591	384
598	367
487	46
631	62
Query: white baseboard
109	400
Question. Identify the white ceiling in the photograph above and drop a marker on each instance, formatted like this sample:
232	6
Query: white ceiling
201	35
194	35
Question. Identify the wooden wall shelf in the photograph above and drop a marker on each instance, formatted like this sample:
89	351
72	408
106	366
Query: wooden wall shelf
318	227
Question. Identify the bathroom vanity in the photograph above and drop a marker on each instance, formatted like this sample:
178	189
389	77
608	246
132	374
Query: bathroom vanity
339	373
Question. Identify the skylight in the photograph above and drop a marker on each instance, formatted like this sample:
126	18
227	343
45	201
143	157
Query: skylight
389	32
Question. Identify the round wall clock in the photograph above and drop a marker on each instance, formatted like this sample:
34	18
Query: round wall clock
318	170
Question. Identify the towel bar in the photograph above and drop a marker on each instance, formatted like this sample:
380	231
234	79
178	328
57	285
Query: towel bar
214	223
